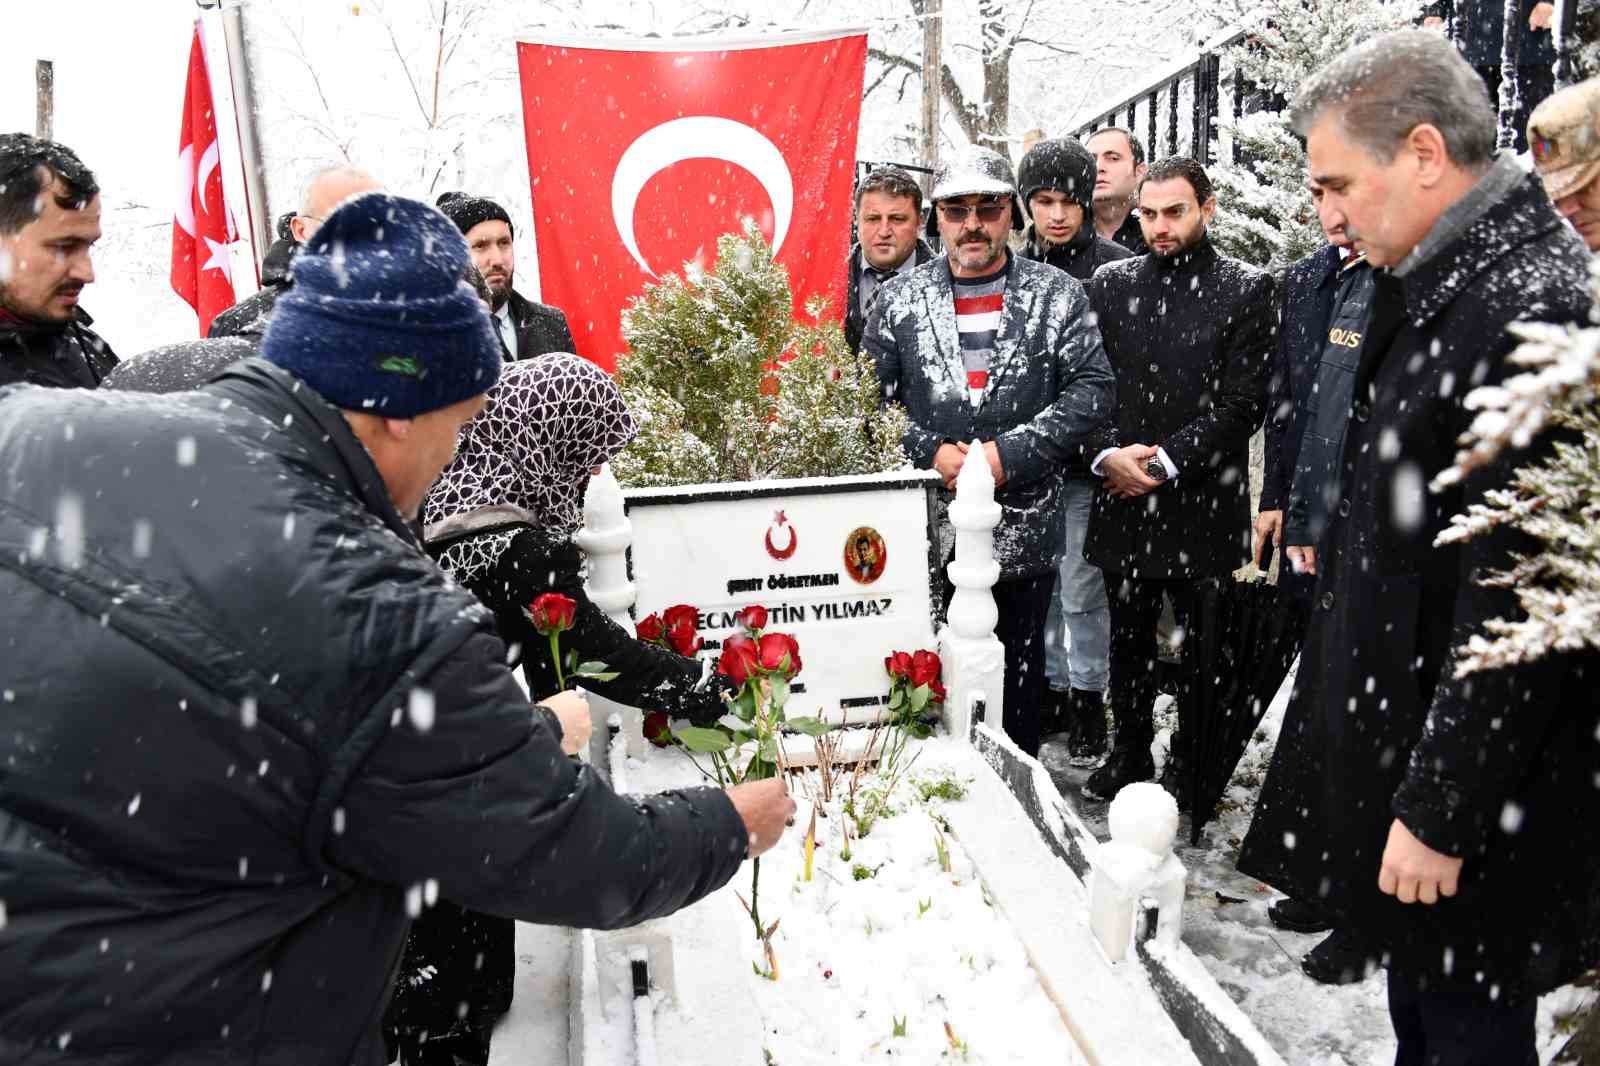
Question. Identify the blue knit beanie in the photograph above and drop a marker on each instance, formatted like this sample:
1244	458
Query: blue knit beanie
378	319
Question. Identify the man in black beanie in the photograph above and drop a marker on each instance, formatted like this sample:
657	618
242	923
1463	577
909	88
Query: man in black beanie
526	328
1056	179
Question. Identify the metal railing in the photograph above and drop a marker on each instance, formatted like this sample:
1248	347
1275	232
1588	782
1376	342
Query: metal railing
1195	86
1159	101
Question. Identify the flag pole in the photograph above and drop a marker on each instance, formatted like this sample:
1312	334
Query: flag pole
232	63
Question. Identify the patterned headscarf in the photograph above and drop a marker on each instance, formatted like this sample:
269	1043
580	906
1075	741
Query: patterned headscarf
527	457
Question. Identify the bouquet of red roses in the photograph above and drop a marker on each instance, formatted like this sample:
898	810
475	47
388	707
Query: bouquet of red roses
914	685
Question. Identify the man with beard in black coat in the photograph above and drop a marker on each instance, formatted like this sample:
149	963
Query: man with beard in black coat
1057	179
49	221
293	730
1456	814
1189	334
526	328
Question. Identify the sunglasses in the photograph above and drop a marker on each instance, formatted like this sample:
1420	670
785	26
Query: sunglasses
988	211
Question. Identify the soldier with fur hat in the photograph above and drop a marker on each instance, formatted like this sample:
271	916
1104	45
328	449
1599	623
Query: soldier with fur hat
1564	134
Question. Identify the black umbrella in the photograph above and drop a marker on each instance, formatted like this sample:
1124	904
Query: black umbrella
1242	636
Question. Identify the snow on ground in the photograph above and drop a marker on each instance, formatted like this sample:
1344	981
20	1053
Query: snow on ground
886	935
1258	964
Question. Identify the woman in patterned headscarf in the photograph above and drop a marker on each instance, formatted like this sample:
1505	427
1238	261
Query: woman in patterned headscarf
500	520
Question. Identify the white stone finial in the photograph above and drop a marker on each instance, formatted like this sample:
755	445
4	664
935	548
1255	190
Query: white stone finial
1137	864
973	572
974	660
605	538
1144	814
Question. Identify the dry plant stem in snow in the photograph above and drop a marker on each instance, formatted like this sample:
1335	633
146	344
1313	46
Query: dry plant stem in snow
1555	499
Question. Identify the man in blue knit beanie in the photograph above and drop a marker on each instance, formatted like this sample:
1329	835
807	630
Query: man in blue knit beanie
250	728
379	323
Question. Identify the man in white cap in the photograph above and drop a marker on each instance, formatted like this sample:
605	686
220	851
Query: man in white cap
982	345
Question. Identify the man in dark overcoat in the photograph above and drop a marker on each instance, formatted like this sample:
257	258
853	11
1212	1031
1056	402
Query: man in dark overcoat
1189	334
1327	300
1455	813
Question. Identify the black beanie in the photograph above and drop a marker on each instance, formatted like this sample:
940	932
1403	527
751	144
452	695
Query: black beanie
1061	165
466	211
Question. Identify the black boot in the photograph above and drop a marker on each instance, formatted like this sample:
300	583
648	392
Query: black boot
1088	714
1297	916
1343	958
1055	717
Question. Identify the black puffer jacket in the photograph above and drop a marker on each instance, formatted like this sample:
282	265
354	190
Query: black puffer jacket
68	357
206	840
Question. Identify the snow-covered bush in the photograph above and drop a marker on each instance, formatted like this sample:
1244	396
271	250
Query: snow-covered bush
1264	212
1556	501
728	385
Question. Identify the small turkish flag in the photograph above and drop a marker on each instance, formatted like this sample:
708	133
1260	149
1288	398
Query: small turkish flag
201	226
641	159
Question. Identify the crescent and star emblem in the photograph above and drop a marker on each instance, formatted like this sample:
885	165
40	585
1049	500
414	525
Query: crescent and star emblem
700	137
779	521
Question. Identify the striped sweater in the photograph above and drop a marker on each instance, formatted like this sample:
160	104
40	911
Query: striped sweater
979	303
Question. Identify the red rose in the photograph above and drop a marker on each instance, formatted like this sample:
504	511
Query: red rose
650	627
656	729
551	612
898	664
753	618
774	649
937	691
739	660
683	628
924	668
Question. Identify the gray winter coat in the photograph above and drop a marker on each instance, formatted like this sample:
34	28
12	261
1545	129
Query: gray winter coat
1049	387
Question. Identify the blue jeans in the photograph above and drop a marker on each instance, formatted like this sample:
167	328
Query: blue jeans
1077	629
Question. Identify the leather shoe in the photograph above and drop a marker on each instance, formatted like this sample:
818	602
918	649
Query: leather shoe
1343	958
1126	764
1298	916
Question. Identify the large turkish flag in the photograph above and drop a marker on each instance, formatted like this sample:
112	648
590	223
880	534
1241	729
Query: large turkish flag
640	160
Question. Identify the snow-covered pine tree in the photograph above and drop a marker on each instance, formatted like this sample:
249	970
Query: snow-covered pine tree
728	385
1556	501
1264	211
